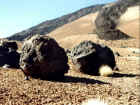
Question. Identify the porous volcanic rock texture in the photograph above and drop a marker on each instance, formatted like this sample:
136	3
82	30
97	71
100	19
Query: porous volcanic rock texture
89	56
42	57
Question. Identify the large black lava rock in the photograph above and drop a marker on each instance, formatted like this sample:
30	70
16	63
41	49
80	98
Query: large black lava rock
88	57
42	57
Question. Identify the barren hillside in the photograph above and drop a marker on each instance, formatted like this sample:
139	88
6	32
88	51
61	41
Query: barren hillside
50	25
85	27
130	22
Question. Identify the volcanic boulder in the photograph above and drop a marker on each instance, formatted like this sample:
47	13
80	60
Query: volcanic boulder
108	19
42	57
3	55
12	45
88	57
8	54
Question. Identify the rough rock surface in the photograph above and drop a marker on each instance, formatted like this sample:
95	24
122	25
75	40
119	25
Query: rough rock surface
108	19
42	57
9	44
88	57
9	54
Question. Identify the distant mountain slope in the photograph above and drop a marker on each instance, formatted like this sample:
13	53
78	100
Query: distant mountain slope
82	26
50	25
86	25
108	18
130	22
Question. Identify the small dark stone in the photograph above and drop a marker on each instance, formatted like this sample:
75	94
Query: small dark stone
117	54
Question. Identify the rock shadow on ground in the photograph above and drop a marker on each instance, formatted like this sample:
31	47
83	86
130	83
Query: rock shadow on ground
71	79
121	75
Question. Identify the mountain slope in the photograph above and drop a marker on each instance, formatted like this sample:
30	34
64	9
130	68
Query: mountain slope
83	28
48	26
83	25
130	22
86	25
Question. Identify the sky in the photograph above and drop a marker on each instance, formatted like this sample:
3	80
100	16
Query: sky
18	15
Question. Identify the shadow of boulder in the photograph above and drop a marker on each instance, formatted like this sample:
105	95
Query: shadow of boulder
120	75
70	79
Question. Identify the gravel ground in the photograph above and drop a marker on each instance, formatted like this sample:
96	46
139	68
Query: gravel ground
121	89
